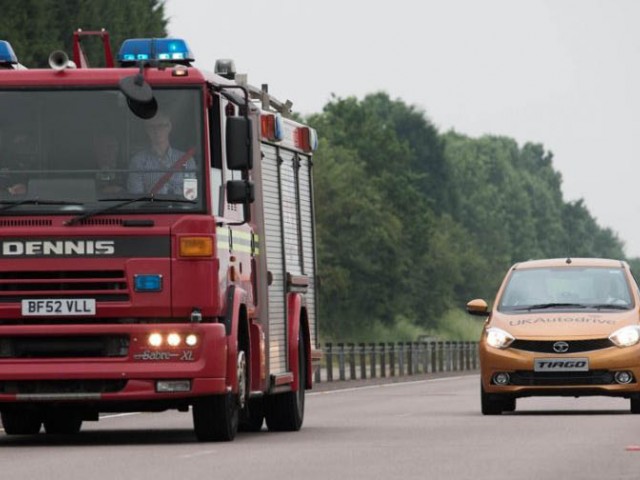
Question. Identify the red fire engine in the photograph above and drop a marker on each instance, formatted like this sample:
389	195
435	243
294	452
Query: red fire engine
157	248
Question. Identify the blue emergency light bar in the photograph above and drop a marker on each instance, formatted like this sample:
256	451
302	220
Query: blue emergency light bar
158	49
7	56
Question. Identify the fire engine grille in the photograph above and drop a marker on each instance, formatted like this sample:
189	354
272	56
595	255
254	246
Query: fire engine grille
102	285
40	387
102	221
64	346
28	222
548	379
545	346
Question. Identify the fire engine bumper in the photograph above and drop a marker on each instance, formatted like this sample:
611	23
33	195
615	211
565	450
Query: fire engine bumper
126	363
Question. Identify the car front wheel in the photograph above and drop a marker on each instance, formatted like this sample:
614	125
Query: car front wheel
492	404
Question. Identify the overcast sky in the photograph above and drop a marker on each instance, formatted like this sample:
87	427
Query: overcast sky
564	73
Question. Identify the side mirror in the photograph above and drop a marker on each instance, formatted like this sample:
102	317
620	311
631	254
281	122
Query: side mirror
139	96
240	191
478	307
239	151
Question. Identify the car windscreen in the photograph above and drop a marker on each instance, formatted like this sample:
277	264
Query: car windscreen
76	150
566	287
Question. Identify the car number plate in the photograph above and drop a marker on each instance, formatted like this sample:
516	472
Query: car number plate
561	365
45	307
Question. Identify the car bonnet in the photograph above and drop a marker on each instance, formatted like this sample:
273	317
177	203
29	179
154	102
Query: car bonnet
564	324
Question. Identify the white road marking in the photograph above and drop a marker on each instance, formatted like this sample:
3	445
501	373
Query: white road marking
197	454
386	385
115	415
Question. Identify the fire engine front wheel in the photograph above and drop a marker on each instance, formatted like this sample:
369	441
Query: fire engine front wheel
215	418
21	422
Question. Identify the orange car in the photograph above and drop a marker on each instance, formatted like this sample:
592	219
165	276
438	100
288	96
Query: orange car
561	327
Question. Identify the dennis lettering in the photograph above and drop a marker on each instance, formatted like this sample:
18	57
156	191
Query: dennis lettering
15	248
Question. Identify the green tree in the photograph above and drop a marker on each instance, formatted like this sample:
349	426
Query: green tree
395	162
412	223
357	243
35	28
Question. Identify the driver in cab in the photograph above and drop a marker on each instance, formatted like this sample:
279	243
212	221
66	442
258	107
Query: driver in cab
160	168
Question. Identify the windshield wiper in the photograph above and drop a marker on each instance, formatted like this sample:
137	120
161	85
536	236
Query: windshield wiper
542	306
611	306
123	203
9	204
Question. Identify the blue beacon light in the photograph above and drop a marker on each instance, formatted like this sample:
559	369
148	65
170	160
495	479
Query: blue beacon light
7	56
164	49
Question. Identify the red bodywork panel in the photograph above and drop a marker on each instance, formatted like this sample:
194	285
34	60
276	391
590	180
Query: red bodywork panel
205	365
190	283
93	77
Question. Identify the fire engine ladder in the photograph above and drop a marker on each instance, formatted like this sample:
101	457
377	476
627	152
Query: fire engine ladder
268	102
79	56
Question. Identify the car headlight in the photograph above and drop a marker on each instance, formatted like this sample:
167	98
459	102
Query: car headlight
626	336
498	338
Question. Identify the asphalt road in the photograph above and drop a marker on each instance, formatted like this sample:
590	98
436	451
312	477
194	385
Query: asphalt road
427	429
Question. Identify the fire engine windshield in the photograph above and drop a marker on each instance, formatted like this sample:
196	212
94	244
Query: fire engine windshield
74	151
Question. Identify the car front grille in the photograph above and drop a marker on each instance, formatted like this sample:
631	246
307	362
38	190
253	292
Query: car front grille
546	346
549	379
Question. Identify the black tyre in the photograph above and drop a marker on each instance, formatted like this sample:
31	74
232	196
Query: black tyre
215	418
635	404
62	424
509	404
491	404
253	416
21	422
284	412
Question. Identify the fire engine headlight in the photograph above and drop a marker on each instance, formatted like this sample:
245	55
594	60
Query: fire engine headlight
155	340
173	339
191	340
498	338
626	336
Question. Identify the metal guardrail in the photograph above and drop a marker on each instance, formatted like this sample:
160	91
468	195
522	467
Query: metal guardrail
351	361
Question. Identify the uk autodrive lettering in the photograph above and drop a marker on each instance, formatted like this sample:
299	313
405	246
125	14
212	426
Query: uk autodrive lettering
593	320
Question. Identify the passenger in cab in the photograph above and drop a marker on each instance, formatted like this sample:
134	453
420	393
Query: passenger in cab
12	182
106	150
